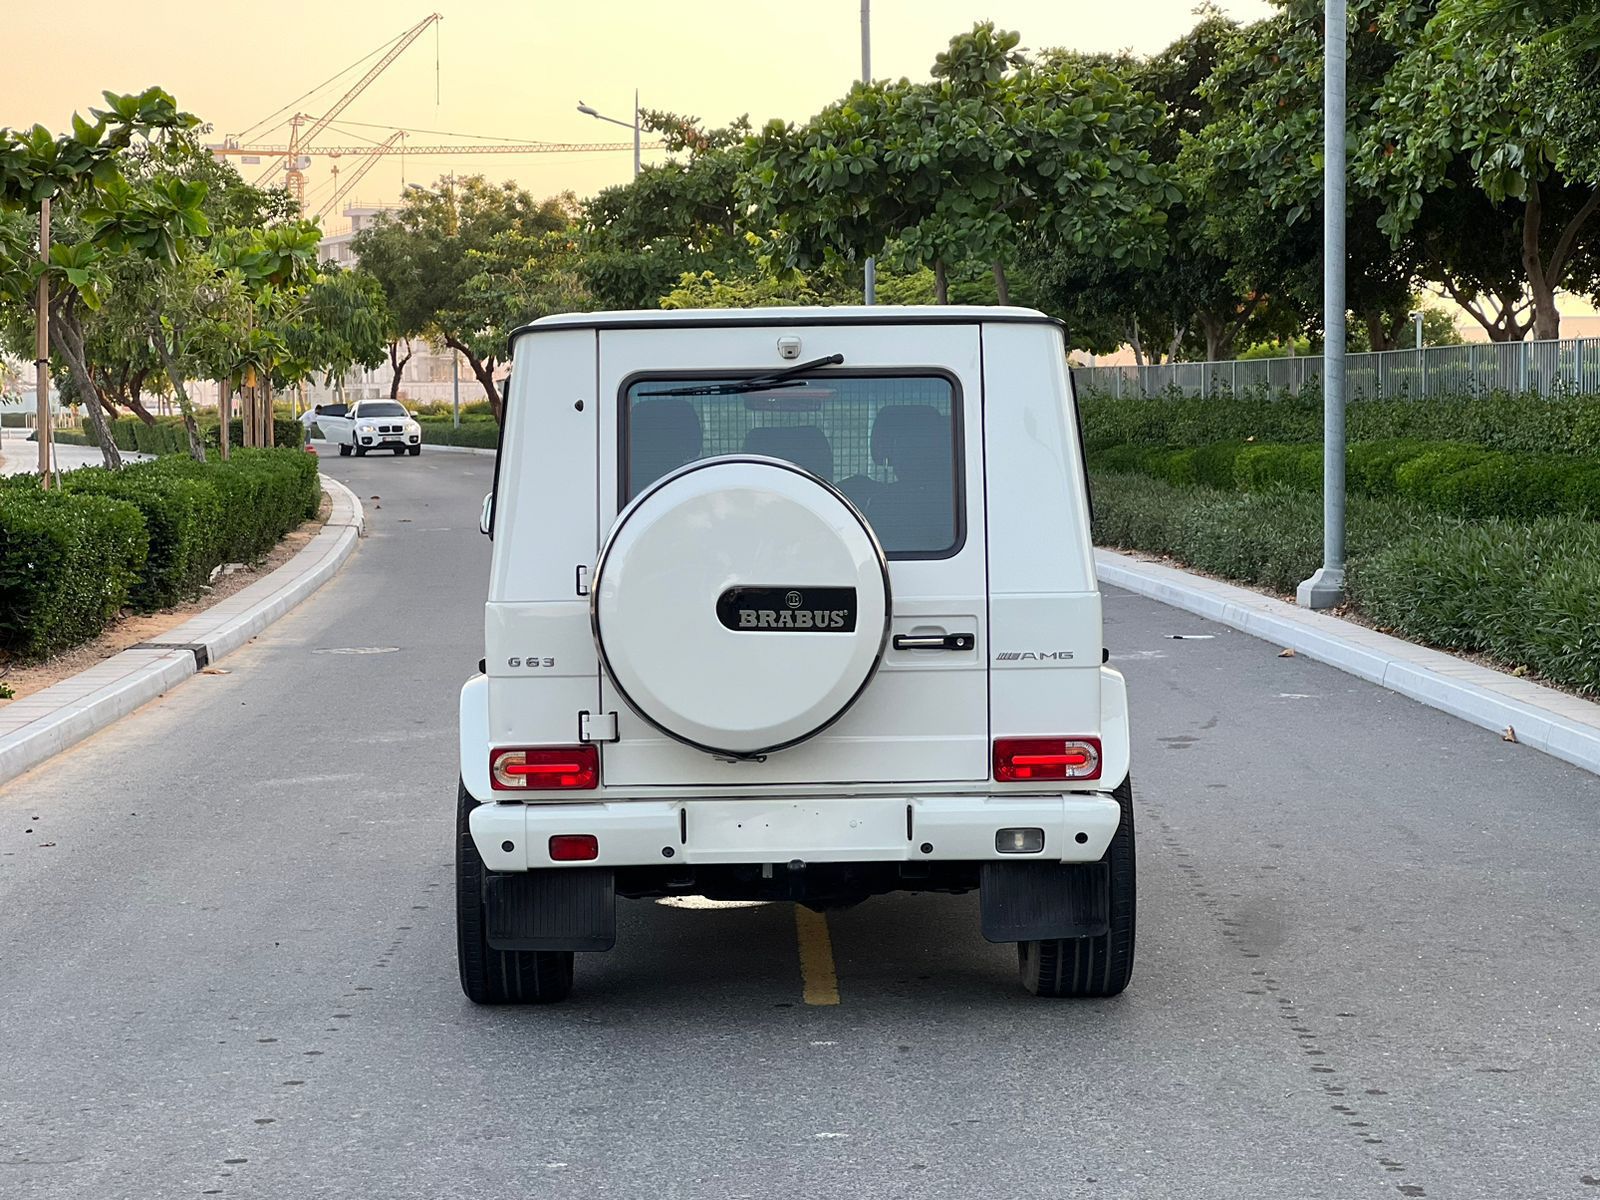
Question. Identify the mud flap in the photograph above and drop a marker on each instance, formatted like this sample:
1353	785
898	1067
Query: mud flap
567	909
1041	901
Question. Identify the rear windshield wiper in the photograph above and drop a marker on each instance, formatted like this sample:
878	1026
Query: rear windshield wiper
756	383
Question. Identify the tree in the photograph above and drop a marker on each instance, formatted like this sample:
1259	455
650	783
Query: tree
341	324
426	253
683	216
1498	99
85	167
995	147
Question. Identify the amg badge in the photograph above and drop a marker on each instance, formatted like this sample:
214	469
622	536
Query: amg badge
788	609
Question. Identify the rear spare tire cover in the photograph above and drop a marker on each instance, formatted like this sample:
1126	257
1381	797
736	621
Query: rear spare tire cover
741	605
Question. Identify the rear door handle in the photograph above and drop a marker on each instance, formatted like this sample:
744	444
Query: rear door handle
935	641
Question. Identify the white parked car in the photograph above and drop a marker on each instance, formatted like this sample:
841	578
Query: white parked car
370	425
792	605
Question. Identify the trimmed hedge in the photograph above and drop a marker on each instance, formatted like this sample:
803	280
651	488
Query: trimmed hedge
1526	594
1449	477
1522	423
484	435
167	435
67	564
60	585
181	518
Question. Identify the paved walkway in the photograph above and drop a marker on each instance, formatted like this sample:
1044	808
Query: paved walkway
18	456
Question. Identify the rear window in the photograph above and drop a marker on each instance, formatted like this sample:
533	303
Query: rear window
889	442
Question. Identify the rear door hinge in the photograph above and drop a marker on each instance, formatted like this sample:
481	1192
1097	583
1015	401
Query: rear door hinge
597	727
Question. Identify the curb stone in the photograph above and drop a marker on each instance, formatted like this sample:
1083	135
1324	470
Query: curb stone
44	724
1543	718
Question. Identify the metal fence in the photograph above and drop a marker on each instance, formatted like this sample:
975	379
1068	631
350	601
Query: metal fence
1548	368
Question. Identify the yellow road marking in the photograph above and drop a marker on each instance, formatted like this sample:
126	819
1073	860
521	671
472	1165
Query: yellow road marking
820	980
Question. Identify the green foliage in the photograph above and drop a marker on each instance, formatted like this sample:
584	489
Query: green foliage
67	563
996	146
181	517
482	435
1526	594
1462	480
1522	423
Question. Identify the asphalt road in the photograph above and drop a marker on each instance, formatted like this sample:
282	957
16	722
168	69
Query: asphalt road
1367	960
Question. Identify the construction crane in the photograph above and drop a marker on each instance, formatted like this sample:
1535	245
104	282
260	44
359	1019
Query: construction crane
341	190
293	154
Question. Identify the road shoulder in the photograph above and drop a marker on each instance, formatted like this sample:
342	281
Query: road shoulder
47	722
1542	718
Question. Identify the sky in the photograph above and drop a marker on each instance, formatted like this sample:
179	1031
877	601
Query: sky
515	71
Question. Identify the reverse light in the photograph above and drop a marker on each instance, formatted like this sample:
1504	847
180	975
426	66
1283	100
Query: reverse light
544	768
574	847
1036	759
1018	841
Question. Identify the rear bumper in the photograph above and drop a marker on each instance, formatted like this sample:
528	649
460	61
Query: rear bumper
634	833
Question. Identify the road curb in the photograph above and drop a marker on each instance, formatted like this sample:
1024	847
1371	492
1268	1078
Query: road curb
1544	719
44	724
434	447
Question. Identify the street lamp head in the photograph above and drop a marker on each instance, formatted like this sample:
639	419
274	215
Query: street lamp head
586	110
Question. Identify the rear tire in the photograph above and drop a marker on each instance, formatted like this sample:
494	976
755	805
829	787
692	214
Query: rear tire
490	976
1092	966
344	450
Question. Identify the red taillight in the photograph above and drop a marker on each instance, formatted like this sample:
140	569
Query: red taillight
574	847
544	768
1032	760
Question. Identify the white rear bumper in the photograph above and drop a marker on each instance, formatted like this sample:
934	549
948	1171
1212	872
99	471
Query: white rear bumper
1077	828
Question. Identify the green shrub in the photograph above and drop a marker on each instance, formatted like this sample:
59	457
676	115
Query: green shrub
1525	594
1522	423
1528	595
484	435
67	563
180	517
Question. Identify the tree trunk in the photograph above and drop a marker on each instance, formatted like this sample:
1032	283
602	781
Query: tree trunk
483	369
1377	336
1177	343
70	337
1541	284
1002	287
224	416
266	427
941	285
158	338
399	365
132	397
1135	341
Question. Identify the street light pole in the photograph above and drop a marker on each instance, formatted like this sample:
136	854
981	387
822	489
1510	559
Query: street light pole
1325	589
589	112
870	283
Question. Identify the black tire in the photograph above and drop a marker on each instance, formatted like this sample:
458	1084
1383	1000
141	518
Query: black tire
1093	966
344	450
490	976
361	451
415	450
399	450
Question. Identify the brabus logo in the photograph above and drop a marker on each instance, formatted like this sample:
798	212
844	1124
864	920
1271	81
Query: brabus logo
1034	656
783	610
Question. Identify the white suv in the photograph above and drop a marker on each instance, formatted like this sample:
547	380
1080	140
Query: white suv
792	604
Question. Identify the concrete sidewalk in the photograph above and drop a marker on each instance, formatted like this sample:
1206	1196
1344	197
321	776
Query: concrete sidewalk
18	456
1545	719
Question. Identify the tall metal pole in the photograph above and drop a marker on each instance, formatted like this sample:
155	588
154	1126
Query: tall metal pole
636	133
455	388
870	283
1325	589
42	347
